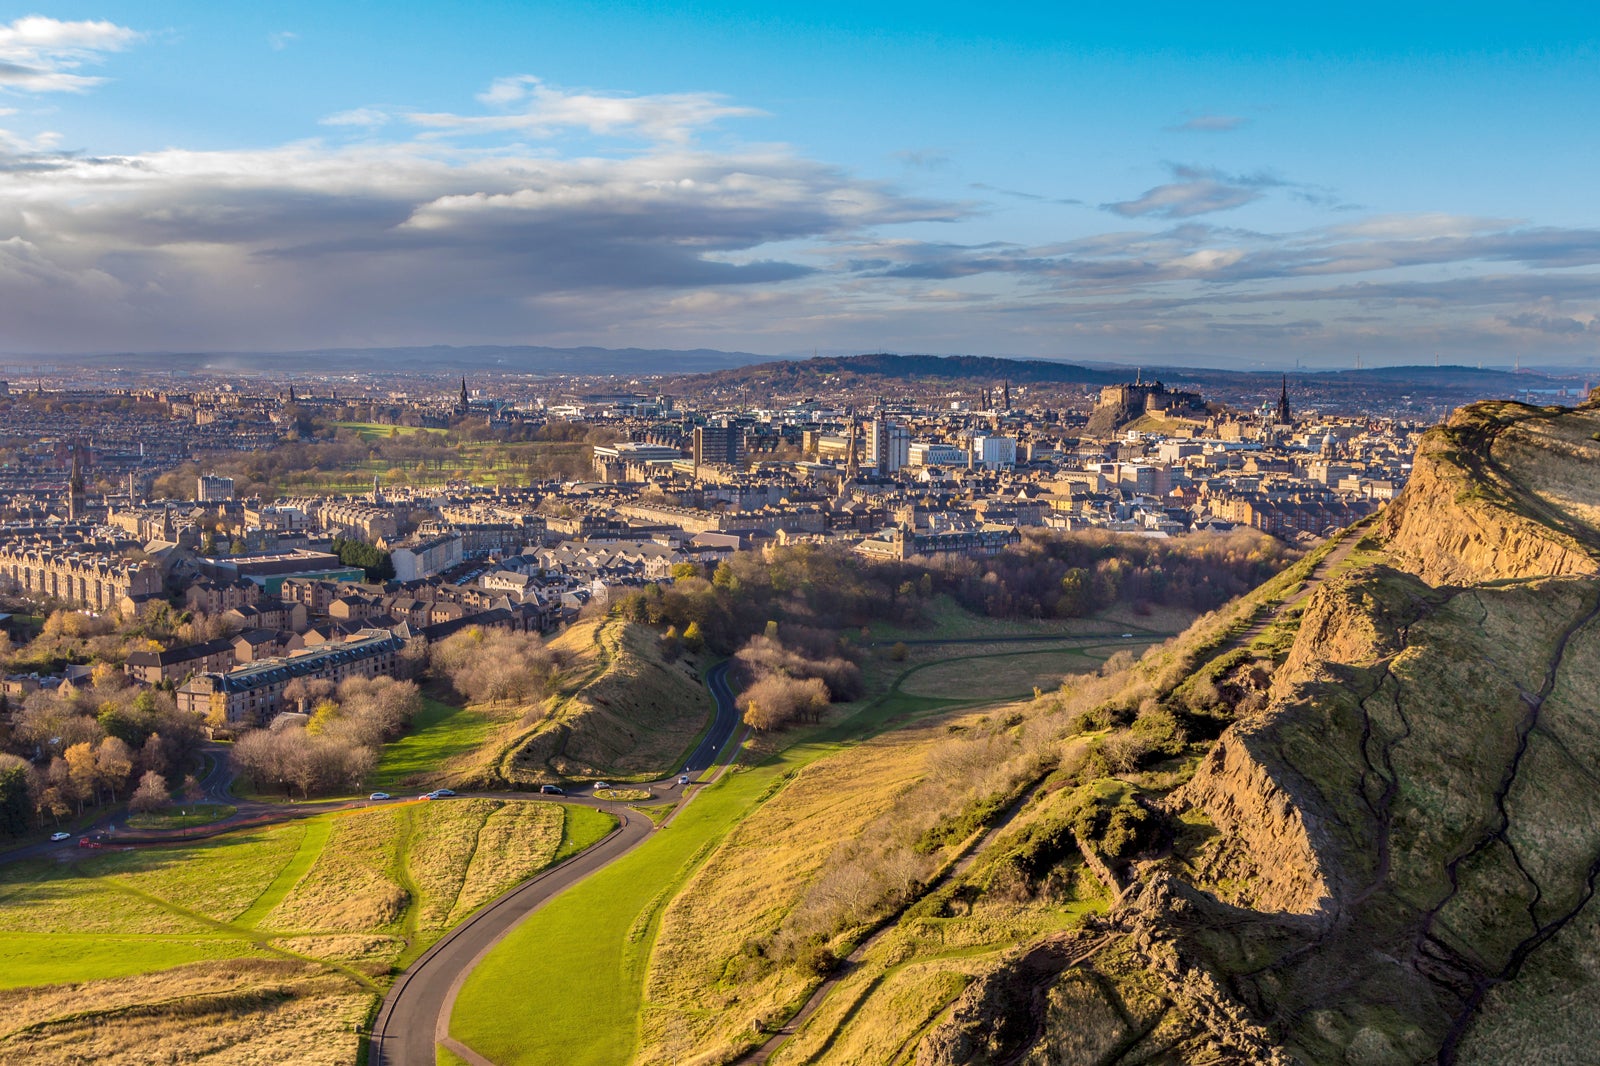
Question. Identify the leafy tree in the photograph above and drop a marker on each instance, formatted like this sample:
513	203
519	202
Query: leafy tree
15	800
375	562
694	638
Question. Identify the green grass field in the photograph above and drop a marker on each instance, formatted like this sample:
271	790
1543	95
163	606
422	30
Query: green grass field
186	816
31	959
438	733
288	891
371	431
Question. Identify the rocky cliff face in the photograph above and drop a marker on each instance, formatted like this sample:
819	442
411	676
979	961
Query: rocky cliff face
1403	846
1500	491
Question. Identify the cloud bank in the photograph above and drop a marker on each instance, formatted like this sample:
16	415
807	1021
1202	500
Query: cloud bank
557	215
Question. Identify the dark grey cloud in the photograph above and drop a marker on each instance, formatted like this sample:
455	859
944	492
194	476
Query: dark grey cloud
403	240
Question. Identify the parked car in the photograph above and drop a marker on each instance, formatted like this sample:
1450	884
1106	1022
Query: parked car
379	796
60	836
85	842
683	779
552	790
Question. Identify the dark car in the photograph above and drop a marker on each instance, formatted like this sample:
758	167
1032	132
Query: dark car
552	790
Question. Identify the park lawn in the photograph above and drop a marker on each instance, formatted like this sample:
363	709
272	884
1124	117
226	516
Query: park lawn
438	733
29	960
584	827
999	675
219	879
185	816
575	970
371	431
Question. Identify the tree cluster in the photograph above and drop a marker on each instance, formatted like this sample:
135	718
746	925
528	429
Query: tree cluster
374	561
337	744
494	665
784	684
1050	574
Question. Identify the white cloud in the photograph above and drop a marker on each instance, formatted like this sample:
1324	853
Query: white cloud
281	40
40	54
536	109
370	117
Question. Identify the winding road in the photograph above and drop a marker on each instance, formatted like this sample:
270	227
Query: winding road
415	1016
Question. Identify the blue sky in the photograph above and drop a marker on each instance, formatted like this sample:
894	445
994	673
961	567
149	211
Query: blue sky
1259	186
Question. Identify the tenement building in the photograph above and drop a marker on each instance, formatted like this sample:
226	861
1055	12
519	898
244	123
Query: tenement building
253	694
79	574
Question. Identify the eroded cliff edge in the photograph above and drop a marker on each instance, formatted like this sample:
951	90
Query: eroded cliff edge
1401	847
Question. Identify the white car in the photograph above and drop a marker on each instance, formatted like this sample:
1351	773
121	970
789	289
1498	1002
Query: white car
379	796
55	837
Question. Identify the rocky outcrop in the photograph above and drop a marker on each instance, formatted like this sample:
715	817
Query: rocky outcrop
1401	851
1465	518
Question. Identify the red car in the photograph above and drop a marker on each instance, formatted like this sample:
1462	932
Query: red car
85	842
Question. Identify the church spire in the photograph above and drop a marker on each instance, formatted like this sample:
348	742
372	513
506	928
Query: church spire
464	403
1284	413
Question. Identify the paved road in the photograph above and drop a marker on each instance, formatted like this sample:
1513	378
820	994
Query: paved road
722	725
415	1015
412	1019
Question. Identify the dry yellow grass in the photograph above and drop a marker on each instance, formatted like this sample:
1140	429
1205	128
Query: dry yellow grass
515	842
630	712
697	1006
241	1012
350	887
902	1003
441	849
345	947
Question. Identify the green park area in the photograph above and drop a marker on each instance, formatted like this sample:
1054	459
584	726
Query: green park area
439	733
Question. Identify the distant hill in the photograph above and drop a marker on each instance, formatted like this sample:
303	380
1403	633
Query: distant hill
800	374
445	359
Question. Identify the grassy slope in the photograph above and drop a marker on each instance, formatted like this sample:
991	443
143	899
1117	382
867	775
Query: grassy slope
439	733
576	969
268	907
627	713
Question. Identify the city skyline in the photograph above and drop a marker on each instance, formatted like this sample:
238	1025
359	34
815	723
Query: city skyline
1257	190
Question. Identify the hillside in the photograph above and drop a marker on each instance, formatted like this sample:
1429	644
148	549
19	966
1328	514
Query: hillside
1396	856
1359	825
628	713
809	374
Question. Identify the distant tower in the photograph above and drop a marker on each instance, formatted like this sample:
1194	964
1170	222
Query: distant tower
1005	402
291	393
1284	413
852	457
75	488
133	496
377	492
462	406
